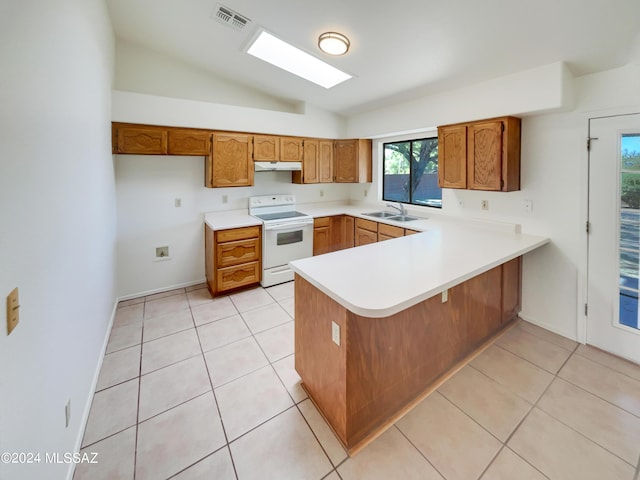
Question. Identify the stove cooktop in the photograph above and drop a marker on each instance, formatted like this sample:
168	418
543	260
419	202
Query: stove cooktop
280	215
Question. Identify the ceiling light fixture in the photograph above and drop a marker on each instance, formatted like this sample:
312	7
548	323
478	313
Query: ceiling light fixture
287	57
333	43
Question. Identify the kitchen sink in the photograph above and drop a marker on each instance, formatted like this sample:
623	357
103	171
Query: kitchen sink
381	214
402	218
391	216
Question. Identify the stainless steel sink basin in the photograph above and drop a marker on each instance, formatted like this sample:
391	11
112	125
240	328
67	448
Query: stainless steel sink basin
402	218
381	214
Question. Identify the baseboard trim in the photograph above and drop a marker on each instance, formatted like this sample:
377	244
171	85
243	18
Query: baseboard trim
549	327
160	290
94	384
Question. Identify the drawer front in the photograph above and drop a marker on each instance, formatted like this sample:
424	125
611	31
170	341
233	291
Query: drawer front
237	276
321	222
390	230
241	251
367	224
234	234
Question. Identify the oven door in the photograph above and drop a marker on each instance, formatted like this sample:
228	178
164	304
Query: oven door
284	242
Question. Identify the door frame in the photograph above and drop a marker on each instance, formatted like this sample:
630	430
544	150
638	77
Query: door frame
583	268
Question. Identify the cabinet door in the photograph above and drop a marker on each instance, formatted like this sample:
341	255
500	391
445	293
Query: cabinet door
232	165
364	237
290	149
321	240
344	161
266	148
485	155
325	161
452	156
188	142
142	140
352	161
310	161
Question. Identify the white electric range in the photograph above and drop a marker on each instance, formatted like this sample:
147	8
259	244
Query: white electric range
287	235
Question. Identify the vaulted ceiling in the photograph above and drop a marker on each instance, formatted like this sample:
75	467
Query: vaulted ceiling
399	50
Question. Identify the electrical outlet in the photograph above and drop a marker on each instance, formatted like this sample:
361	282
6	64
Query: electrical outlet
528	205
322	193
445	296
225	198
366	192
177	202
484	204
335	333
460	203
67	413
13	310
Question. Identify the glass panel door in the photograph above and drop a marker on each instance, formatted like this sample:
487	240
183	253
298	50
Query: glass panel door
629	231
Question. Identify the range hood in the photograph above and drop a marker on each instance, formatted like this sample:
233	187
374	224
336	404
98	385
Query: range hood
277	166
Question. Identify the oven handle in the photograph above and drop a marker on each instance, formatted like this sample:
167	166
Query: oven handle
288	226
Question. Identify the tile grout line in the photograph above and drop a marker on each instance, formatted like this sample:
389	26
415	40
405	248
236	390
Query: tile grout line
418	450
535	405
596	395
215	399
502	444
135	451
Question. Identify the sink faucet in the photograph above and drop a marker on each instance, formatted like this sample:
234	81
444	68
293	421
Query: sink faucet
399	207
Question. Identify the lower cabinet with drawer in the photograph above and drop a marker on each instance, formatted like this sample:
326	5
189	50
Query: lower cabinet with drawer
366	232
233	258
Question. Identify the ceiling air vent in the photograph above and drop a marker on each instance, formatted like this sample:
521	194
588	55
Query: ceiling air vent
229	17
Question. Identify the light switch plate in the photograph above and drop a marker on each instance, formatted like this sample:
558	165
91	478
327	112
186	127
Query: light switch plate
13	310
445	296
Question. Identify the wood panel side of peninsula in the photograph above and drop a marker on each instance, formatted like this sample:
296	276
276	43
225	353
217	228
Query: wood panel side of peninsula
382	365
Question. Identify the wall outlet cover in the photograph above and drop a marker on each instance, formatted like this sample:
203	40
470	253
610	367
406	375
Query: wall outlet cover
335	333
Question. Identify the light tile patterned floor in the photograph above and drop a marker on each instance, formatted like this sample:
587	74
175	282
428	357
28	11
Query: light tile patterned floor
195	388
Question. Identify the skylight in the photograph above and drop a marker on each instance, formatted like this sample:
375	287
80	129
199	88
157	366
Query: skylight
287	57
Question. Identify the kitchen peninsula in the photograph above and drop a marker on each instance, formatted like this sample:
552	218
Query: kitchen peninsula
378	325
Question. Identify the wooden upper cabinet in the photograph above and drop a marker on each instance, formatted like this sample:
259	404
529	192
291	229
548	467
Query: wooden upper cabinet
188	142
140	139
452	156
352	161
317	162
290	149
483	155
310	161
325	161
231	160
266	148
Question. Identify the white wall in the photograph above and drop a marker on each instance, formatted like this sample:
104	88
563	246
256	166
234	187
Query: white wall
141	70
57	221
147	187
542	89
554	166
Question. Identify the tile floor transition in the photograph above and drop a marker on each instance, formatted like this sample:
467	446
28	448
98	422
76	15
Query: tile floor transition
197	388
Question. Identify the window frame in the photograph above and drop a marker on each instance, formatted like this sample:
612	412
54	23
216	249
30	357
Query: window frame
430	136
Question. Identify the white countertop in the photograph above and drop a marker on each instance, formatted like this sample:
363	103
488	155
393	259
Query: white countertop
230	219
384	278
